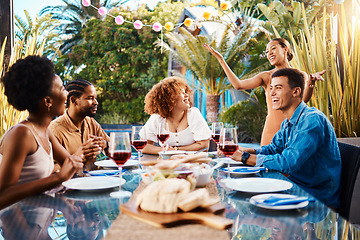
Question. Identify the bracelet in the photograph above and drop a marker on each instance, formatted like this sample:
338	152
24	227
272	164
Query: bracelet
176	148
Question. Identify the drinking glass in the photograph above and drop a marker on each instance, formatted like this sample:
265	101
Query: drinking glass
228	143
163	133
138	141
120	152
215	131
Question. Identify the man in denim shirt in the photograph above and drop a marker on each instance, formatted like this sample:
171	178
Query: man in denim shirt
305	147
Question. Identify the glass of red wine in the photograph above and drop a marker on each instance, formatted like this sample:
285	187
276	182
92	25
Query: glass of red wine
163	133
120	152
228	143
138	141
215	131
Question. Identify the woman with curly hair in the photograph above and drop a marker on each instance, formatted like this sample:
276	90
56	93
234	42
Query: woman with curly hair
279	54
169	101
28	148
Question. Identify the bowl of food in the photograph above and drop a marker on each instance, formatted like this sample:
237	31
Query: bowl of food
170	153
185	171
203	175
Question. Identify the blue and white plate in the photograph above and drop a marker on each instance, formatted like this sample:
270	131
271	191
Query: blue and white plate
242	170
260	201
105	172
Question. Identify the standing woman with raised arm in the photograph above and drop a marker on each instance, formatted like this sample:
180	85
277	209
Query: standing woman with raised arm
279	54
28	148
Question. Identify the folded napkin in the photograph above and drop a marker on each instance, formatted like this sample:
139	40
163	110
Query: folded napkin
278	201
245	169
112	173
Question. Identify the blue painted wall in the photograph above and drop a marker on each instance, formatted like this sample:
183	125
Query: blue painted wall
201	92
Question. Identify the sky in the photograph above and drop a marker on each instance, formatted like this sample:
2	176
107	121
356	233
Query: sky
34	6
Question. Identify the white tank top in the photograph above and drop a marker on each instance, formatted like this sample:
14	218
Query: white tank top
38	165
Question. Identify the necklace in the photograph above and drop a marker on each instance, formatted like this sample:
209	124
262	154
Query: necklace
45	145
177	126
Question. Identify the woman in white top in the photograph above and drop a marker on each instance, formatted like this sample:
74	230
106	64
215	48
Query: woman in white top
28	148
168	101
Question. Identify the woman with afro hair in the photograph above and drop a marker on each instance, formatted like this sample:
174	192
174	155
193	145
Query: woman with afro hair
27	149
169	102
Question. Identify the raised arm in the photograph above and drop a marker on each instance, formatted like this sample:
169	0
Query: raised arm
235	81
310	84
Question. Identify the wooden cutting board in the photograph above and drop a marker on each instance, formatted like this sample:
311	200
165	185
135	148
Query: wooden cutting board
205	216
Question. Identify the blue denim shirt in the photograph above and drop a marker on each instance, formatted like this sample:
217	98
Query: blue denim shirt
306	148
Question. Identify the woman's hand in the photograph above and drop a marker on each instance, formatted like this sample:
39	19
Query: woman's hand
70	166
315	77
215	53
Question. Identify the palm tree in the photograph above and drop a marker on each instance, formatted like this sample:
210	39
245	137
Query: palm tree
189	51
287	18
73	17
40	29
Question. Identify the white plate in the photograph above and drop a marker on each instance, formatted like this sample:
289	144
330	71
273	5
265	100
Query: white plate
225	160
258	199
258	185
251	171
111	164
168	154
93	183
107	172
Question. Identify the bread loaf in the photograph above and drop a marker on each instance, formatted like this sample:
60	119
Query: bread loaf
163	196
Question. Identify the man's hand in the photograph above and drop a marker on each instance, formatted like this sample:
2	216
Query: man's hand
89	150
99	141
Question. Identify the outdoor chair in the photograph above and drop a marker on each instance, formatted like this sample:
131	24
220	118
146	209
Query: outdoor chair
350	182
212	146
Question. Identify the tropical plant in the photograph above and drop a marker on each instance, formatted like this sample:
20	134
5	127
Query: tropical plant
41	27
73	17
121	61
8	114
189	51
286	17
339	96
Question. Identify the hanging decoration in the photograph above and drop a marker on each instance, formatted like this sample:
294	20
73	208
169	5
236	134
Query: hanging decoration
157	27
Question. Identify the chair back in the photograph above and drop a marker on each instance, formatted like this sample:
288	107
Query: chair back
350	182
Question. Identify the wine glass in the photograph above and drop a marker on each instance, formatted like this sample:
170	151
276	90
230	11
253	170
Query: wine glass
163	133
120	152
138	141
228	143
215	131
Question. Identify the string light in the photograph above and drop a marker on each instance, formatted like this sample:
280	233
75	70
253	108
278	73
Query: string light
157	27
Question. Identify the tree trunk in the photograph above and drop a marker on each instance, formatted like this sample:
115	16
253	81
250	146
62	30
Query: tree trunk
7	28
212	107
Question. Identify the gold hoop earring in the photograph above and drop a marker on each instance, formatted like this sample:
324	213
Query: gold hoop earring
48	108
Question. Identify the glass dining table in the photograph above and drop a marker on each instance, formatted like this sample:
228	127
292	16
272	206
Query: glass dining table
73	214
